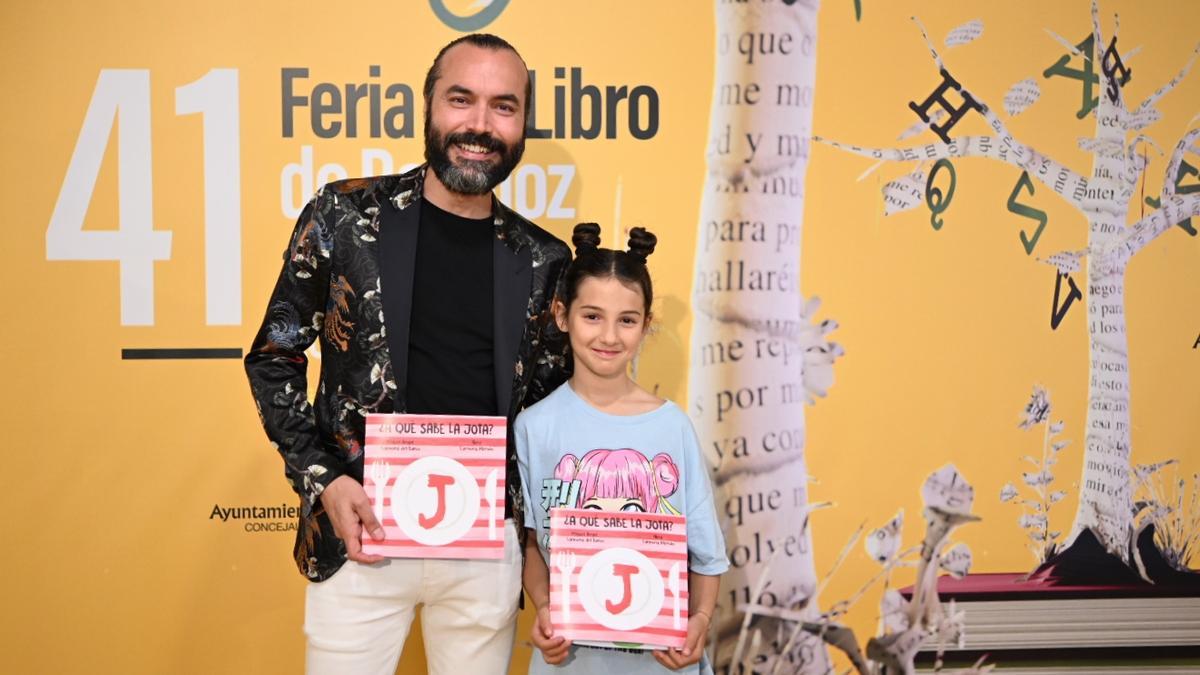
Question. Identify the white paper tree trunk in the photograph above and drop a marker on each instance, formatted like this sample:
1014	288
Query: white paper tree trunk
1105	495
747	385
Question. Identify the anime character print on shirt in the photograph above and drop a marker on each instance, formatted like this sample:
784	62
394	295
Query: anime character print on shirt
610	480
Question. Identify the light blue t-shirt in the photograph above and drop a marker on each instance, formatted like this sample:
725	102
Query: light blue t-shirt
574	456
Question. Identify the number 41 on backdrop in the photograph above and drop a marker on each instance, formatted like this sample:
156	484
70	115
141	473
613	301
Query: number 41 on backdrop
124	96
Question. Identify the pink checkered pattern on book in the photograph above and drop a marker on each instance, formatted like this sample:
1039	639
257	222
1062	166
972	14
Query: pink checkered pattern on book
436	484
619	578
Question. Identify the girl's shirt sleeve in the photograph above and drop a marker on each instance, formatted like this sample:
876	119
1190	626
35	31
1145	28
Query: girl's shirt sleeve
524	452
706	544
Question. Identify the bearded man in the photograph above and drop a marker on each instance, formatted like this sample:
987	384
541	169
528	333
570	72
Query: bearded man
428	296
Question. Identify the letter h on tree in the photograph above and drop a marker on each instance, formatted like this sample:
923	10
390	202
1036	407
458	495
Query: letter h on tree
939	96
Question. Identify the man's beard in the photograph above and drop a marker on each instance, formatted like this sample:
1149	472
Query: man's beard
470	176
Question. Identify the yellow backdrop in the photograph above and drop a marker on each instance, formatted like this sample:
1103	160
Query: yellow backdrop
132	484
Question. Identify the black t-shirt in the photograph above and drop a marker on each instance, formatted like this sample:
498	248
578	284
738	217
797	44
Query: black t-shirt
450	358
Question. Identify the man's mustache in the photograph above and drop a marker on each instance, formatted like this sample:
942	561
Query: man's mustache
486	141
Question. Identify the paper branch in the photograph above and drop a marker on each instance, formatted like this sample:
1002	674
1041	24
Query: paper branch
1008	150
1135	164
1166	88
745	629
920	125
929	43
1174	210
1067	44
1182	148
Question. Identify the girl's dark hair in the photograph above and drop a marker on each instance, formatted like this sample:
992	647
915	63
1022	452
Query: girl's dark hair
628	267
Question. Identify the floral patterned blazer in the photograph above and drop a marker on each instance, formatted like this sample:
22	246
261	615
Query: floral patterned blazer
347	280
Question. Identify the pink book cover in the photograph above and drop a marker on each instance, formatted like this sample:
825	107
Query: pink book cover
619	579
436	484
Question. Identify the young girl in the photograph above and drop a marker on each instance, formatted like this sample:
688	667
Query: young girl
600	441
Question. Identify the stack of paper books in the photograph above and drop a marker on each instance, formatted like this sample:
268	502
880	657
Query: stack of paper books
1042	626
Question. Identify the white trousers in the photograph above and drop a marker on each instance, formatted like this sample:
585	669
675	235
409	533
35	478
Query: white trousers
357	620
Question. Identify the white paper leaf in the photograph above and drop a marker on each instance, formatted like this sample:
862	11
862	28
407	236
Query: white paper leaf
1008	492
894	609
966	33
1037	410
947	490
1032	460
1144	471
818	372
376	373
811	306
883	543
1037	479
1030	520
953	630
1021	95
1056	428
1059	445
904	194
957	561
1057	496
1065	262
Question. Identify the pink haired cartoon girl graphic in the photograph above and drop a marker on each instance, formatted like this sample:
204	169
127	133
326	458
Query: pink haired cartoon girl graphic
621	480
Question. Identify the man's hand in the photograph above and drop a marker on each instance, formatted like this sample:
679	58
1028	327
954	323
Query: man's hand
349	510
554	648
697	635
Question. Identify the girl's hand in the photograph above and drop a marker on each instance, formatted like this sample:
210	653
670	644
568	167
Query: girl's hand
554	648
693	649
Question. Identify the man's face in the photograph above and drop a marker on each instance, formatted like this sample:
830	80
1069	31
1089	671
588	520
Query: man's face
475	119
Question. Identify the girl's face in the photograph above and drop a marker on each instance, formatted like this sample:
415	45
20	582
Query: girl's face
606	324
